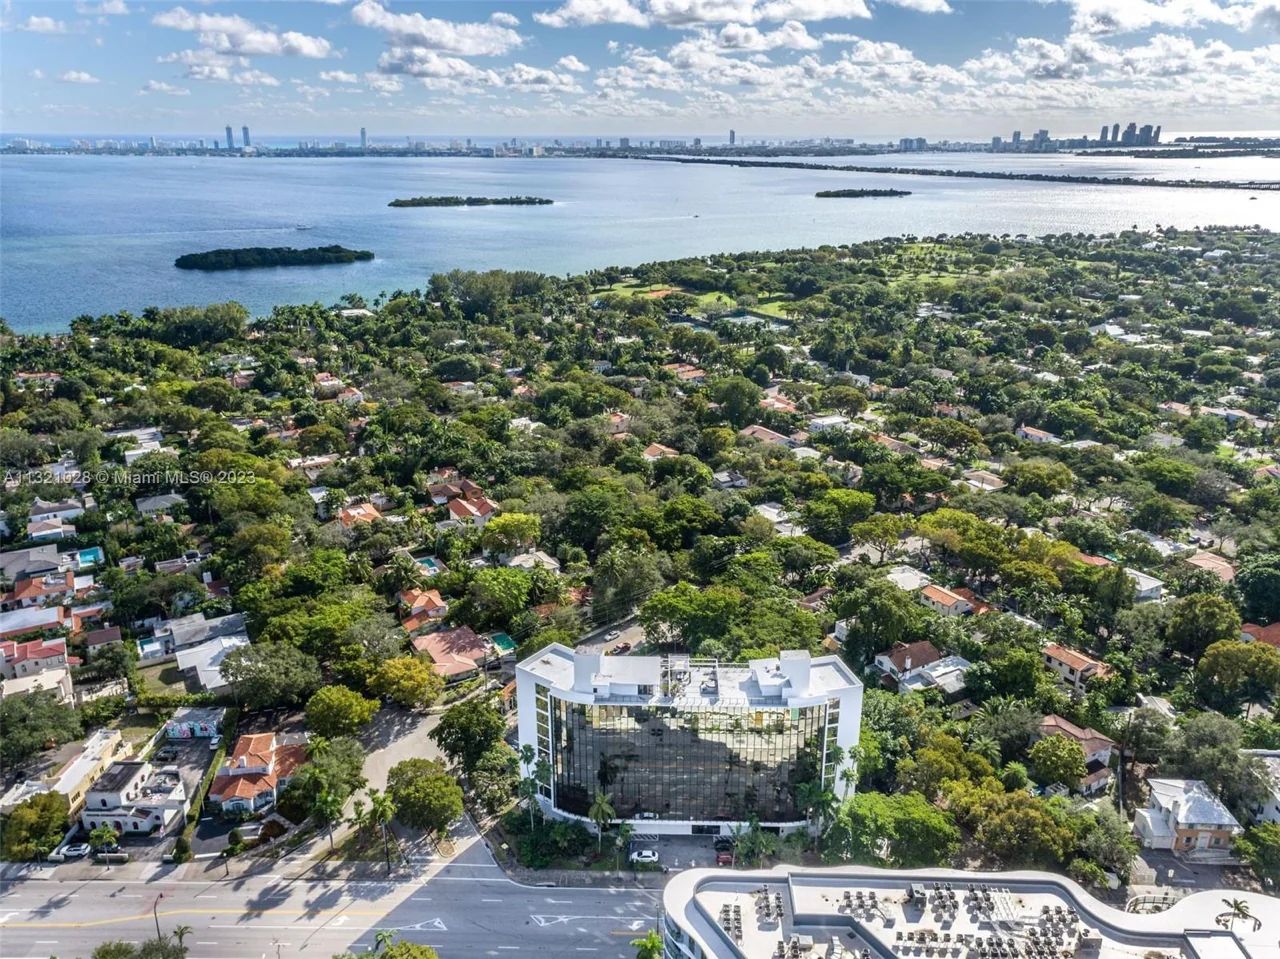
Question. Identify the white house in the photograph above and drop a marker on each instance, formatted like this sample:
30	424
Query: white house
944	601
1268	811
1097	749
1146	588
133	797
1033	435
1182	815
829	421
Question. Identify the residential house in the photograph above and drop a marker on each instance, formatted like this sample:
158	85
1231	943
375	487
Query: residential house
894	664
171	636
534	559
1182	815
456	653
1146	588
74	777
1073	667
19	659
162	505
99	639
946	675
765	435
1096	746
984	481
45	589
421	609
43	511
134	797
1033	435
33	561
907	578
256	772
349	517
782	521
472	510
1213	563
1167	548
204	662
1269	809
816	601
777	403
50	530
56	680
829	421
729	479
944	601
656	451
1252	632
617	422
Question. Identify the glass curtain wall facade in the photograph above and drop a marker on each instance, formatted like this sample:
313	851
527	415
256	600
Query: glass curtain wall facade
724	763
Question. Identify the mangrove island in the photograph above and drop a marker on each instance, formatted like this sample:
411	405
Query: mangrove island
859	194
472	201
251	257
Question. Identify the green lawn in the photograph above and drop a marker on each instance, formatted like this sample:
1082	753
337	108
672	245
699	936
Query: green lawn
163	678
139	727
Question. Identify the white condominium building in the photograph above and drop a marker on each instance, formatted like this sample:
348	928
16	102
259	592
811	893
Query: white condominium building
683	745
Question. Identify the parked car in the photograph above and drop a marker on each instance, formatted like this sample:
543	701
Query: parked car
214	743
612	635
168	754
76	850
621	648
647	815
645	855
724	858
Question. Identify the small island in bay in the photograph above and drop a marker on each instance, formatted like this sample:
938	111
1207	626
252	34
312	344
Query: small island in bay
472	201
858	194
251	257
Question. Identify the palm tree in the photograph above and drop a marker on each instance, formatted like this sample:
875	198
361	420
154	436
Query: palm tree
623	839
649	946
359	818
181	932
328	811
383	938
103	835
381	811
1239	910
601	813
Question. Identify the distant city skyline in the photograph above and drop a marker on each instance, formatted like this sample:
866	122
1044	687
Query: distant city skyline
863	69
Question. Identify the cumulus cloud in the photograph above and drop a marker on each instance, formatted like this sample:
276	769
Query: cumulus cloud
339	76
590	13
924	6
572	63
230	34
35	24
207	64
792	35
504	19
383	85
107	8
36	74
159	86
445	36
77	76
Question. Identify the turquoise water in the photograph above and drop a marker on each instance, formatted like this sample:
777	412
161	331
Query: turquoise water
83	234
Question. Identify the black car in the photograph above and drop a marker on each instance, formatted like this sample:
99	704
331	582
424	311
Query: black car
724	844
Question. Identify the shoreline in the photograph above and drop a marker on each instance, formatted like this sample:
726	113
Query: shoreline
1268	186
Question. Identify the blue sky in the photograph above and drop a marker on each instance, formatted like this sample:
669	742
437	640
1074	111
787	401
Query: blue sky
968	68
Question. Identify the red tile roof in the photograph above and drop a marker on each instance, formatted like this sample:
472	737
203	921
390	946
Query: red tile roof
454	651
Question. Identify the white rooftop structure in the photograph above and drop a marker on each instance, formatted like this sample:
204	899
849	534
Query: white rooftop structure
907	578
206	659
859	911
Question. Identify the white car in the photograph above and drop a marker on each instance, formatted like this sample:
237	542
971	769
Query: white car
76	850
645	855
214	743
612	635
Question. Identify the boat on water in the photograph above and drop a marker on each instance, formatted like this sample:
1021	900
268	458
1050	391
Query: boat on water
302	226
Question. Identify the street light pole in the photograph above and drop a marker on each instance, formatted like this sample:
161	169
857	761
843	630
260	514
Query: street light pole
156	915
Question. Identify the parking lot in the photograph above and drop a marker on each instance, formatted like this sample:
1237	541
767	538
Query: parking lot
677	852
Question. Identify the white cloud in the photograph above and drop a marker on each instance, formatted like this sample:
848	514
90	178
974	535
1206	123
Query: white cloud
445	36
383	85
590	13
339	76
572	63
524	78
77	76
231	34
159	86
36	74
35	24
928	6
791	35
106	8
504	19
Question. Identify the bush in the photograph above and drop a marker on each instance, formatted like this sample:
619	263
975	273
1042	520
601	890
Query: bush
182	849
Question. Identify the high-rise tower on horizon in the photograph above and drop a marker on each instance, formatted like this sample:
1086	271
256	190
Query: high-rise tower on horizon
1115	133
733	137
244	137
364	139
231	140
1102	137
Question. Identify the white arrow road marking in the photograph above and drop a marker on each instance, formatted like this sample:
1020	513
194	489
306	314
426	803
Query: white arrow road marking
558	920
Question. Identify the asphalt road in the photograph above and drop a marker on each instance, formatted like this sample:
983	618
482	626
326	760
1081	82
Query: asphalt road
466	909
